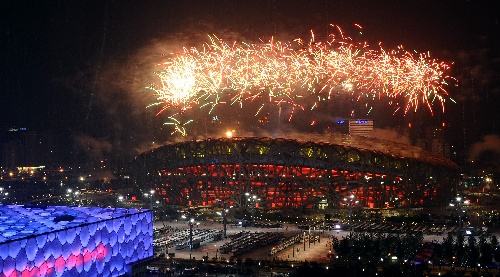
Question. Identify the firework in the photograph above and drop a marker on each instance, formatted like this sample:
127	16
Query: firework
297	74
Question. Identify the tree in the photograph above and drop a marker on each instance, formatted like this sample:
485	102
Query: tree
448	247
494	241
472	251
486	252
460	249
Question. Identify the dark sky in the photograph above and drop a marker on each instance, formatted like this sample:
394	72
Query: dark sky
54	53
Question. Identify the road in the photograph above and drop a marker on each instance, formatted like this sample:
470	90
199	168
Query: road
317	252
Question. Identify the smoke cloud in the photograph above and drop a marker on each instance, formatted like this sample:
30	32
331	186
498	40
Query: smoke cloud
93	147
489	143
121	102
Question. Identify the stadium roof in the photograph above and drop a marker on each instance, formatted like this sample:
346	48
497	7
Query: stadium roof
18	222
388	148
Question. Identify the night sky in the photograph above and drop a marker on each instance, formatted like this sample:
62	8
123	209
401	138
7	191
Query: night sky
70	67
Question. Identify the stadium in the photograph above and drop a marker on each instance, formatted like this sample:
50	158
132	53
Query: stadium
313	172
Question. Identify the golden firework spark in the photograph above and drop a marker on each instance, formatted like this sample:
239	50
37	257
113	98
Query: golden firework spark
293	73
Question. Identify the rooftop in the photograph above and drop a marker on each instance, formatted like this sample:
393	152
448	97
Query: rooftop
18	221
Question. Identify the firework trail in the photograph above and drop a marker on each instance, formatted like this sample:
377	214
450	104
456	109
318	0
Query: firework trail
298	74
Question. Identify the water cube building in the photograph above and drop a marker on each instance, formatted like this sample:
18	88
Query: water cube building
72	241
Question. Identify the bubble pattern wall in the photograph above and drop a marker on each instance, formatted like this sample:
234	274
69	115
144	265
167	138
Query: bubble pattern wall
73	241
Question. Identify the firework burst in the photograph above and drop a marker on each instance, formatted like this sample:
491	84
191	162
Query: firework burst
297	74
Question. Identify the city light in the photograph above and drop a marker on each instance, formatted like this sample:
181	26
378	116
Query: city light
229	133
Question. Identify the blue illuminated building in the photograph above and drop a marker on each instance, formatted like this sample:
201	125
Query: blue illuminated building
73	241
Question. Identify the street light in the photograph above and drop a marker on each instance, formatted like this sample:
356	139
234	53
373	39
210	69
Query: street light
350	201
458	202
191	223
223	214
3	195
151	193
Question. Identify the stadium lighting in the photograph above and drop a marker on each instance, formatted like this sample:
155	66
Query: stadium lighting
238	175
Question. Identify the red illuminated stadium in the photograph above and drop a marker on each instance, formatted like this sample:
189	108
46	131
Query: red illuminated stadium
296	173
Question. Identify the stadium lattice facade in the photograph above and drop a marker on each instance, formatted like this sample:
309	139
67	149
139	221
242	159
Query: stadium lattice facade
293	173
